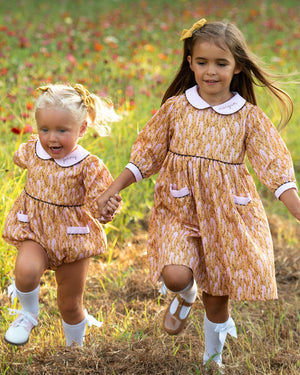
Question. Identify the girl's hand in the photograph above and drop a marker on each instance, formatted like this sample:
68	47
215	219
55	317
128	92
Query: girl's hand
125	179
113	204
107	206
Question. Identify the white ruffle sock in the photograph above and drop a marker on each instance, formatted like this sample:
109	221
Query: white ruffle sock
76	332
215	335
30	300
189	294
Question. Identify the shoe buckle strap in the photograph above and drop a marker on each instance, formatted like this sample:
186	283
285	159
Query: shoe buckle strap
91	321
26	314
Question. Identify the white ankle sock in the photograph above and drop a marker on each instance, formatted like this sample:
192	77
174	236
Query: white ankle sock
30	300
189	294
74	332
215	335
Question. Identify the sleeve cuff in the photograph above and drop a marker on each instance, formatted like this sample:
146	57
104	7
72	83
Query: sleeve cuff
284	187
134	169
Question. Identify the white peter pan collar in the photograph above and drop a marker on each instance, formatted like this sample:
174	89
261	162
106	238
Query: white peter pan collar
231	106
71	159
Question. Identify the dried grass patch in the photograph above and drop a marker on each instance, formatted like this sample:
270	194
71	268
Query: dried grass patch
131	340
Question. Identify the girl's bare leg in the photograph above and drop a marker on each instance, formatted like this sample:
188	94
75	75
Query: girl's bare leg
216	307
70	279
179	279
31	263
70	288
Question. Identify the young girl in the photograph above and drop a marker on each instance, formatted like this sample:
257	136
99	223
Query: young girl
54	222
208	225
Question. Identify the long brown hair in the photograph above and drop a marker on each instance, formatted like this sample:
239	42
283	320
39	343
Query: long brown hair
252	72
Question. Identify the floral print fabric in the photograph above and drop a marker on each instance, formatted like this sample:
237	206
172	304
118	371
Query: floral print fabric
57	208
207	214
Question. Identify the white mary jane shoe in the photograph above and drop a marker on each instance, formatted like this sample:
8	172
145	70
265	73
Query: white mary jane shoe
19	331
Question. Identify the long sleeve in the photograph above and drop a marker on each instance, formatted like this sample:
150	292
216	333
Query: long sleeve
21	155
268	154
151	146
97	178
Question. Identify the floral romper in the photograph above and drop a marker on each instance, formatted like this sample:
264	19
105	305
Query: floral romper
207	214
57	207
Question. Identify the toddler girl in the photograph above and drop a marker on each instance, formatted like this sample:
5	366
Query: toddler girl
54	222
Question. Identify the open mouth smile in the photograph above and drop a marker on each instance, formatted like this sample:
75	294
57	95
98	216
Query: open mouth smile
55	150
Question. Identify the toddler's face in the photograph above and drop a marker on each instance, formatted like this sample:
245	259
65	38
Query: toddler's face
58	131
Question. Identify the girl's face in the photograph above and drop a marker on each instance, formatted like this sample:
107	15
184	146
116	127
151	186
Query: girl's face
58	132
214	68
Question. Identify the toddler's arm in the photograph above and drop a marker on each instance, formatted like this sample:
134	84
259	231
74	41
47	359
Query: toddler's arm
291	200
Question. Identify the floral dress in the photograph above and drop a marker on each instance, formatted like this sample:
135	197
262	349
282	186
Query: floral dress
207	214
57	207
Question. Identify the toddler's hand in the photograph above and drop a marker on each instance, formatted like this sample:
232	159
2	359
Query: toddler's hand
108	207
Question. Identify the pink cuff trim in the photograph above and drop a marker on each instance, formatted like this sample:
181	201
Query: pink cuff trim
134	169
284	187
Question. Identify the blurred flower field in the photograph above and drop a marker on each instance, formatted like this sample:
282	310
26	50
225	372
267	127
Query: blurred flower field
129	50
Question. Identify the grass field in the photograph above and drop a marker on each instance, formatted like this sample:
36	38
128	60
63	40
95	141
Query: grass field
130	50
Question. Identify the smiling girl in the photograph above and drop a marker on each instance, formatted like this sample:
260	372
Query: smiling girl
208	225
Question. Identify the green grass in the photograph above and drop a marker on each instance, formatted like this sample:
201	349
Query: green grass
130	50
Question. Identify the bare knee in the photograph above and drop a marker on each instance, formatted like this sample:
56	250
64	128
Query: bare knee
177	277
27	276
31	263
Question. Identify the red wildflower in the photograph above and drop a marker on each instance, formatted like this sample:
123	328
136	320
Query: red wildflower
16	130
3	71
29	106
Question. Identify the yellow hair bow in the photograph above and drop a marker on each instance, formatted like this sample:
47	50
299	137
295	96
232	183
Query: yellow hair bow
43	88
87	98
188	33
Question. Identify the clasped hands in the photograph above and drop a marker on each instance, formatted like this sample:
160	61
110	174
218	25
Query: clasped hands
108	205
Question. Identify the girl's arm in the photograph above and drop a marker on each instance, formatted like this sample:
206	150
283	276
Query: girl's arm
291	200
125	179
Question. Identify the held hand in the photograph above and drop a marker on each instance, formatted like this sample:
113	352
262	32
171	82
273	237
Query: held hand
107	206
101	202
113	204
125	179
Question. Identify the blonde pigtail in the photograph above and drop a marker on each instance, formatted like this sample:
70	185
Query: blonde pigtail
100	112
